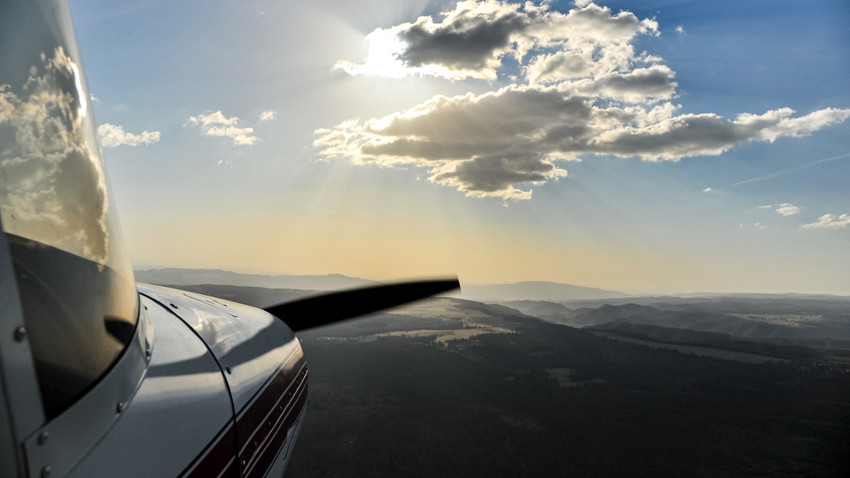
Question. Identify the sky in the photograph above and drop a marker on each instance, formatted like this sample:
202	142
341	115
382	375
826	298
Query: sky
645	147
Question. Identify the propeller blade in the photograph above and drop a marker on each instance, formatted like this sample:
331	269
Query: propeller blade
335	306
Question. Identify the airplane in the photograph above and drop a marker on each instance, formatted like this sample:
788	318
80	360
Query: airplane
99	375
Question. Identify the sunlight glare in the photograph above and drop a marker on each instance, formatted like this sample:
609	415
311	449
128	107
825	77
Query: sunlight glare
384	49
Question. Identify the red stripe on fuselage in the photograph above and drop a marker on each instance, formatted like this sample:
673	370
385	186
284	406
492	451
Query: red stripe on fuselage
277	438
259	423
219	459
264	424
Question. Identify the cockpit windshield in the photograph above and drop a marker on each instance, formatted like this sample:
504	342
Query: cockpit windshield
75	284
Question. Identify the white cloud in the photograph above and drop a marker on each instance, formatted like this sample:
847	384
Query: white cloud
216	124
707	190
830	221
490	144
216	118
114	135
54	187
472	40
778	123
582	90
637	85
268	115
708	134
785	209
760	226
680	30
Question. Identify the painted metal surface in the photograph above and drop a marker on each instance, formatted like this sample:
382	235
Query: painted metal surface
165	409
181	407
285	453
59	444
262	427
20	404
263	365
249	343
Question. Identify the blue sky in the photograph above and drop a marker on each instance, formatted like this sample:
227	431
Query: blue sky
563	153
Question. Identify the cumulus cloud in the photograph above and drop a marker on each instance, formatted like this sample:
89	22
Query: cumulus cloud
114	135
577	88
787	209
456	137
483	145
640	84
707	190
708	134
217	124
268	115
830	221
472	40
53	188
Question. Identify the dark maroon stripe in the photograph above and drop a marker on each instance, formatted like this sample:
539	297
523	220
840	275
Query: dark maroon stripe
277	437
266	414
218	460
255	415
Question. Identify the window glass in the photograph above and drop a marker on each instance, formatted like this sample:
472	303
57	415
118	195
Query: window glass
76	287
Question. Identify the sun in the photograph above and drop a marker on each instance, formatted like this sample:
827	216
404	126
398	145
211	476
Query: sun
383	57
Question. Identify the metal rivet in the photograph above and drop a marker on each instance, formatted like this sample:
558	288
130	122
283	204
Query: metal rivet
269	424
120	407
280	408
46	471
20	333
243	463
42	437
255	444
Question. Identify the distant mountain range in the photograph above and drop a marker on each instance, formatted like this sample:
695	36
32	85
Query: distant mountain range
819	323
537	290
788	320
551	298
180	277
531	290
